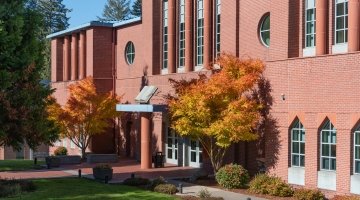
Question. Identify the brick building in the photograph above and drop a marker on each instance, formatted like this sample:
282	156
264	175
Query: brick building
310	47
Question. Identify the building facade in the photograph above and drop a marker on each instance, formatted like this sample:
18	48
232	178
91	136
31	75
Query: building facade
311	50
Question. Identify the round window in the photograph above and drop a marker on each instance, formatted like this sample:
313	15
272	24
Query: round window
130	53
265	30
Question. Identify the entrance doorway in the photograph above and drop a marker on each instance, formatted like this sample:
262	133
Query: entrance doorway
195	154
172	147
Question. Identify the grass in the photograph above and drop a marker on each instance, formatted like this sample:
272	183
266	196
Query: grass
18	165
78	189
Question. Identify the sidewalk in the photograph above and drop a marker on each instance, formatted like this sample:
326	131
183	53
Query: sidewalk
193	190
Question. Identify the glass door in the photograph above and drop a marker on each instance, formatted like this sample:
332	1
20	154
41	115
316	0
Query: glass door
195	155
172	147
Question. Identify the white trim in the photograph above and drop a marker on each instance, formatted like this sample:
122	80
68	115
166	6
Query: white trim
198	152
309	51
340	48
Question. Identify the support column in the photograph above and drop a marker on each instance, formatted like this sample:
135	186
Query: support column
82	55
171	37
146	141
354	23
321	26
67	63
74	56
207	33
189	63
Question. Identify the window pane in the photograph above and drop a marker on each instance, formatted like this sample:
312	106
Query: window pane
357	167
357	138
266	24
295	135
176	154
296	147
302	161
340	22
340	37
266	37
333	137
325	163
302	136
333	150
340	9
310	27
295	160
193	156
333	164
326	136
302	148
357	152
310	15
169	155
325	150
310	40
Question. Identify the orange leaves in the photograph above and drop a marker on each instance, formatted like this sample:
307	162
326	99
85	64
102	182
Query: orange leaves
219	107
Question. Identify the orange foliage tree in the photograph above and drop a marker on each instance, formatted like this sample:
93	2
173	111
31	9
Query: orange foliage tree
85	114
218	110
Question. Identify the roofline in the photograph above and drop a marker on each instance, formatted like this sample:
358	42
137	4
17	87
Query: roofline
92	24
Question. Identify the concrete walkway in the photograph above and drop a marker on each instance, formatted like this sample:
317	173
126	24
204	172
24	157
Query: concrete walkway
193	190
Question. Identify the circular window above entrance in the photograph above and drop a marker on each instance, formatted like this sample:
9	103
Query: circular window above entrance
130	53
265	30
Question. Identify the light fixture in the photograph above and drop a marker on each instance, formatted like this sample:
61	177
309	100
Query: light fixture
283	96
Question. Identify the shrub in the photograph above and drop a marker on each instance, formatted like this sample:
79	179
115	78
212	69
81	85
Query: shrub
102	166
204	194
232	176
137	181
308	194
342	197
272	185
60	151
166	188
157	182
10	190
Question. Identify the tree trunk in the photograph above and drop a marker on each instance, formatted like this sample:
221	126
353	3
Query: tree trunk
83	151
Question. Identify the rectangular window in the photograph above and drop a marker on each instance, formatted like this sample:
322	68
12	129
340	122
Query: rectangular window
357	152
165	33
64	143
298	145
341	21
182	34
328	149
217	28
310	23
200	33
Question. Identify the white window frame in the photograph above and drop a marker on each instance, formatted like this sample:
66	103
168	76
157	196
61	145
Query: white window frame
301	140
310	5
266	30
357	132
165	63
331	131
130	51
181	34
217	28
198	154
64	142
200	33
171	135
345	16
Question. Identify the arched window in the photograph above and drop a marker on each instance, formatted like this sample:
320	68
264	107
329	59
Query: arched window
265	30
357	151
328	147
298	145
130	53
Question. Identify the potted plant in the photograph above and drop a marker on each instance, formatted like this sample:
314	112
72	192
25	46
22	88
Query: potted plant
101	171
52	161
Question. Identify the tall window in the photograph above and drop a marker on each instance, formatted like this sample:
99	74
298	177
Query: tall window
298	145
265	30
357	151
200	33
341	21
165	34
217	27
328	147
182	34
310	23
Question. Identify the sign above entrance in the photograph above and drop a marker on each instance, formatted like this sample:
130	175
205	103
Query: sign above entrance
145	95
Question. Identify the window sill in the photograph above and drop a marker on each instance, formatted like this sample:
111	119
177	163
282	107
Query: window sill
309	52
296	175
181	70
355	184
164	71
327	180
340	48
198	68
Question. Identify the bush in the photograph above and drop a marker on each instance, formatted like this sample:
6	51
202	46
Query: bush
157	182
342	197
103	166
10	190
15	187
265	184
60	151
137	181
204	194
308	194
232	176
166	189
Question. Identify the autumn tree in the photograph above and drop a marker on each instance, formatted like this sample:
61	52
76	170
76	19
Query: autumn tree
218	109
85	114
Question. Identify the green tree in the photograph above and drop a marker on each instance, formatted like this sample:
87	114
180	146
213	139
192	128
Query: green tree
116	10
136	8
23	99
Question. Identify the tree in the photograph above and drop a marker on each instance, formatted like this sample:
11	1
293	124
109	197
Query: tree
218	110
116	10
23	99
85	114
136	8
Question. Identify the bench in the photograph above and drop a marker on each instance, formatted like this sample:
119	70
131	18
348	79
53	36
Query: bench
69	160
102	158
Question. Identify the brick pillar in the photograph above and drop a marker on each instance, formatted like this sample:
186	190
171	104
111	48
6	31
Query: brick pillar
207	33
66	58
189	43
82	55
74	56
354	23
171	36
56	60
146	141
321	25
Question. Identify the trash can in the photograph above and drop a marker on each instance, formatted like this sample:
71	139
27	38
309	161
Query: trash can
158	159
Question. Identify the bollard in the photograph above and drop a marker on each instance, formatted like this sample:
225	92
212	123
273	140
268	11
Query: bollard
132	175
106	179
35	161
180	188
79	173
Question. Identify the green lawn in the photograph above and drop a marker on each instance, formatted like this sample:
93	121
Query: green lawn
18	165
77	189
